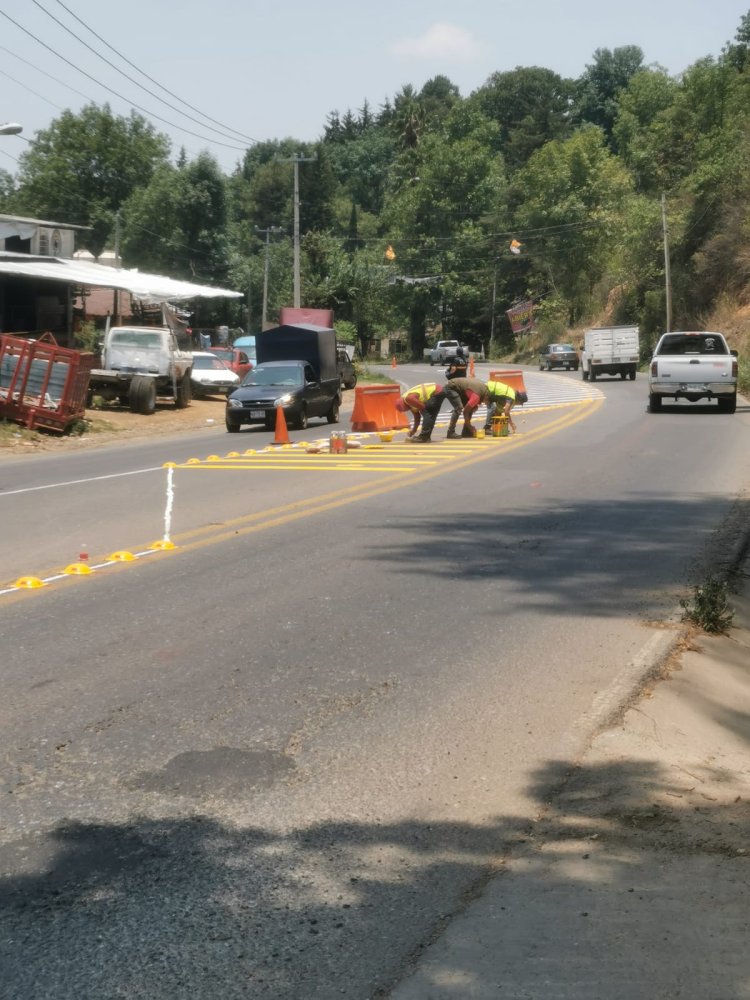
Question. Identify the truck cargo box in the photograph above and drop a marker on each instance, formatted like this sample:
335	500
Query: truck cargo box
300	342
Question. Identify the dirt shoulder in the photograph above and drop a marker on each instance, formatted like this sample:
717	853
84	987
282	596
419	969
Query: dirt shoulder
114	423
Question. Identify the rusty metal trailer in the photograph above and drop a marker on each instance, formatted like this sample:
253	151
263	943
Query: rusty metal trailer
42	385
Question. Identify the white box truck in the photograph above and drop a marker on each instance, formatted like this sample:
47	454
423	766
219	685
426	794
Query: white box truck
610	350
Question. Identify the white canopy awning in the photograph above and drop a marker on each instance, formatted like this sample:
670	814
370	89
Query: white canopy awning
150	288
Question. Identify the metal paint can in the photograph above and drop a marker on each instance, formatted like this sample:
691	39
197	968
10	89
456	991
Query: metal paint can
337	443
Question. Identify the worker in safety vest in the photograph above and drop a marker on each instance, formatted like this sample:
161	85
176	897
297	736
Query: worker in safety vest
502	397
464	395
426	398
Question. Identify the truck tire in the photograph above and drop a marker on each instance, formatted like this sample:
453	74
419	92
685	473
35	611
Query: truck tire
142	396
302	418
632	375
233	426
592	375
654	403
727	404
584	374
333	414
184	392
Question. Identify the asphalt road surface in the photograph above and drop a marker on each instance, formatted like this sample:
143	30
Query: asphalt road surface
273	761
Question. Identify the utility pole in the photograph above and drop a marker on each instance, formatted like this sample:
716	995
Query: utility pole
296	160
492	316
116	302
267	232
667	278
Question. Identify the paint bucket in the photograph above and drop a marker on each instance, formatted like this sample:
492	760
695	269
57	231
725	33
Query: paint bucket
337	443
500	427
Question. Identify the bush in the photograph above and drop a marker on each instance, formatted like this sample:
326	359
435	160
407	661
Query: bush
709	607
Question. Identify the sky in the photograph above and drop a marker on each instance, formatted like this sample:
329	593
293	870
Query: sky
238	71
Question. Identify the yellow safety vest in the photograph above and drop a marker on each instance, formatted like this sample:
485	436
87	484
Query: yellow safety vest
501	389
423	391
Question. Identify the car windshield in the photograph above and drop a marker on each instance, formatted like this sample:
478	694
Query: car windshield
224	355
561	347
207	364
281	375
134	338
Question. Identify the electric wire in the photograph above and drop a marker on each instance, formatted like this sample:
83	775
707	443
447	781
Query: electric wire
161	86
151	114
127	76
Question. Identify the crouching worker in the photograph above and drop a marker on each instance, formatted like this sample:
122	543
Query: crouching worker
464	395
423	402
501	399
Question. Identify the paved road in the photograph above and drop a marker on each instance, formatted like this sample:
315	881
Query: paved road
273	762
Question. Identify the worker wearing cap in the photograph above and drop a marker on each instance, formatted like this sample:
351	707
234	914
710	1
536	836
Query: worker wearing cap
426	398
464	395
502	396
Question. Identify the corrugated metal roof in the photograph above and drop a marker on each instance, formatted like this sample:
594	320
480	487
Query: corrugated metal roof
146	287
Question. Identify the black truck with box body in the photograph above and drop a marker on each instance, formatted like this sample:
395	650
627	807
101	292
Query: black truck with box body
296	369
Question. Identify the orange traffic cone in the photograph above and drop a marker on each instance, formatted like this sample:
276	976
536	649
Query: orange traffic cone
282	434
393	361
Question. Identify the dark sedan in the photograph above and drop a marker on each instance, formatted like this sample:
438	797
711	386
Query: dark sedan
558	356
292	385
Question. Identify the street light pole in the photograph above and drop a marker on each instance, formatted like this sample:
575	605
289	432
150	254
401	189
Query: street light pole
271	229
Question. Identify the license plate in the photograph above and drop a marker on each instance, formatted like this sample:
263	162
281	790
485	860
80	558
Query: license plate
694	387
257	414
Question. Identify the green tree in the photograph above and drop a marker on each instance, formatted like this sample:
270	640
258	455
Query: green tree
440	222
530	105
569	202
178	223
639	127
599	88
7	191
85	166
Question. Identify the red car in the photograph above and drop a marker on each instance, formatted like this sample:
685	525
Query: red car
235	358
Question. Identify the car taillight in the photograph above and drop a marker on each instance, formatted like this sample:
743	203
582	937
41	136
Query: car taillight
735	368
653	367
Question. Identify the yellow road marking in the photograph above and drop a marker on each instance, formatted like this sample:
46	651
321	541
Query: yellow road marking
251	523
212	534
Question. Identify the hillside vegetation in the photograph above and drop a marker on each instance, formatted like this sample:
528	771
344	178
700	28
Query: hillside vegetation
435	213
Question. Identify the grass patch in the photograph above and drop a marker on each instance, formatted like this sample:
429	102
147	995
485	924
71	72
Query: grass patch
709	606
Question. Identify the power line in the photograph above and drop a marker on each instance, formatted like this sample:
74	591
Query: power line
127	76
161	86
38	71
179	128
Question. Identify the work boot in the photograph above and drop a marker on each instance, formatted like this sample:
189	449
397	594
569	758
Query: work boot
452	434
420	439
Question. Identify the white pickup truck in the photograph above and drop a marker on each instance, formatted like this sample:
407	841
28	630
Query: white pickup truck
693	366
444	351
140	363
